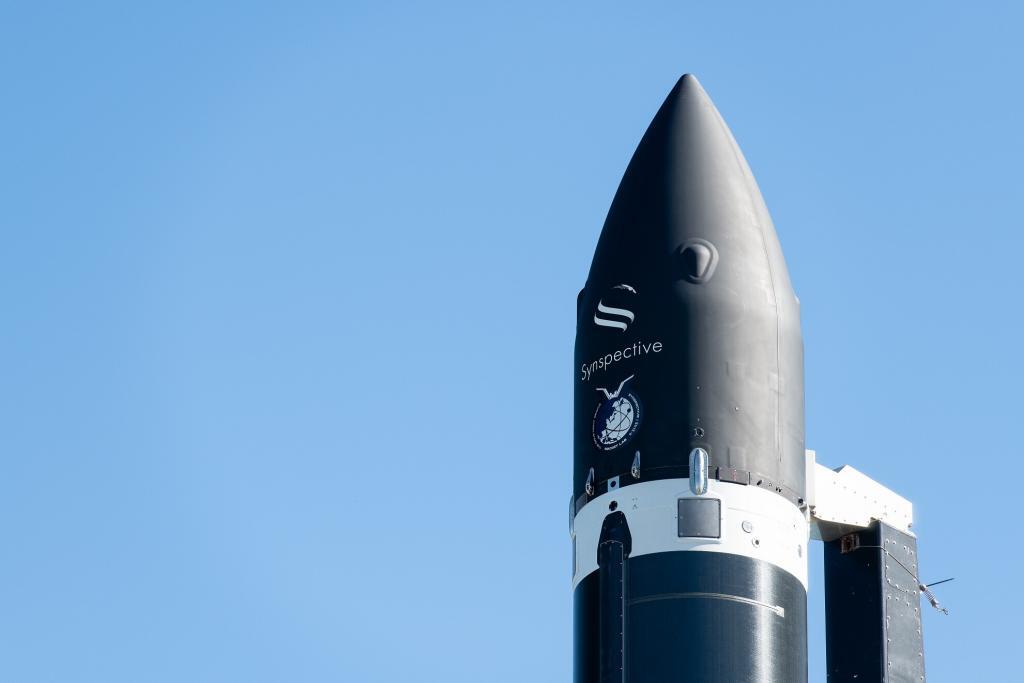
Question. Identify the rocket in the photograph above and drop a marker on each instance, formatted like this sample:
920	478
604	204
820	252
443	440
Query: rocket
694	498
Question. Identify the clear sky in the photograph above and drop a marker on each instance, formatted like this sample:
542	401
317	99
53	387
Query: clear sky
288	311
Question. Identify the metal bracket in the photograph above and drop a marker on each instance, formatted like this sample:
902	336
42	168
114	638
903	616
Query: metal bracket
844	500
849	543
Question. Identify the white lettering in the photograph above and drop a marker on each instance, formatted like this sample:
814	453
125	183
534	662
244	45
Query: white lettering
635	350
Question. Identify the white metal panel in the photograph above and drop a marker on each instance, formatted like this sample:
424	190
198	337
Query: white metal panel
778	530
845	499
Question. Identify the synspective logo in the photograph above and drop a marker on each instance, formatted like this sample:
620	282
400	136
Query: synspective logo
625	314
638	349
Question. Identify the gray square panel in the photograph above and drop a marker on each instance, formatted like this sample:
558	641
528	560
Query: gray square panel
700	517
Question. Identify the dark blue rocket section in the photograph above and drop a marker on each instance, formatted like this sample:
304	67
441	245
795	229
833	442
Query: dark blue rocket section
695	617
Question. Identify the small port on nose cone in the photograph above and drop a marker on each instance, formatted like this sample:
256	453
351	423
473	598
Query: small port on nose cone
698	259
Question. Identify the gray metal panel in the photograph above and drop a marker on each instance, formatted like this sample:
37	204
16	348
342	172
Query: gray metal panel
700	517
904	661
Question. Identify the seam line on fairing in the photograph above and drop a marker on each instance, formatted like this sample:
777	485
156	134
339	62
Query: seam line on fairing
778	610
752	188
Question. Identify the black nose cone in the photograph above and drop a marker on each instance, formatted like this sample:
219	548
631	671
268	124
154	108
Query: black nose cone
688	330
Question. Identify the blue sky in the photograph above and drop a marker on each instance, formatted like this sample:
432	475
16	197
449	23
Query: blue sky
288	297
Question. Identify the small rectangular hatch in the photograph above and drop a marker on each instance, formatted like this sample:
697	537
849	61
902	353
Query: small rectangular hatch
700	517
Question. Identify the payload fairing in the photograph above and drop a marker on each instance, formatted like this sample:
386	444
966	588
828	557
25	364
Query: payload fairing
694	498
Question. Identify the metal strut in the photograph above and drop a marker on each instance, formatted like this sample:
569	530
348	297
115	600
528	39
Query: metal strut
612	552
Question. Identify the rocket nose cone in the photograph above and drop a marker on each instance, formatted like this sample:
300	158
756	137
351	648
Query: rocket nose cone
709	292
690	82
687	181
687	88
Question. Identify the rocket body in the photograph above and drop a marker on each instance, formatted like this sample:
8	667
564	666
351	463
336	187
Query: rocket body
688	523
